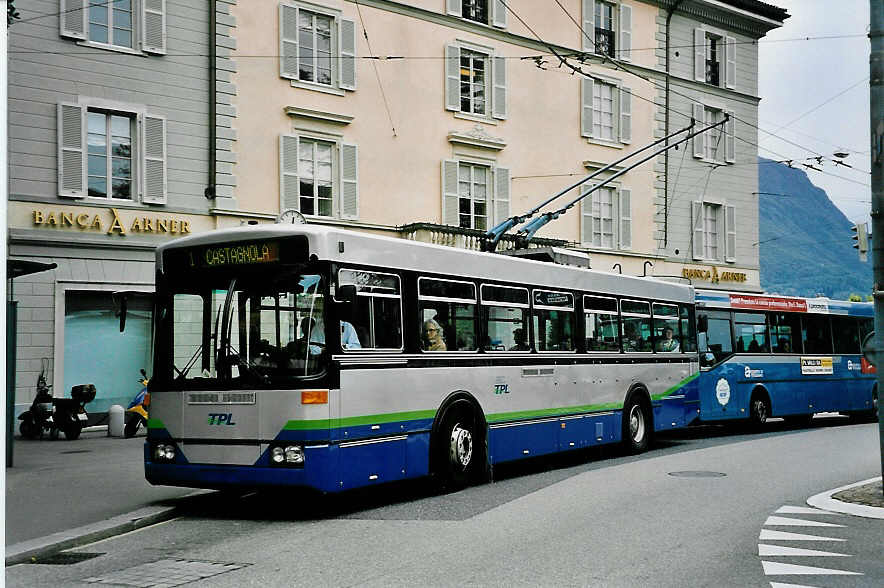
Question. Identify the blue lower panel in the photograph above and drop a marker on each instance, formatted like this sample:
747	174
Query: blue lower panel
372	462
522	440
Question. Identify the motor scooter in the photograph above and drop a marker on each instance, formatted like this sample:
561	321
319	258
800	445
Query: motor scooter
52	415
138	408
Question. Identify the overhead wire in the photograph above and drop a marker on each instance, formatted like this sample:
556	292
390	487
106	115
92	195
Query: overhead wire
376	72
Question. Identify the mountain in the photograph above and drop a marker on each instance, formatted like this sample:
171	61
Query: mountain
805	240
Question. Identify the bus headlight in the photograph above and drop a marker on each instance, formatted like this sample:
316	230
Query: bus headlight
287	455
164	452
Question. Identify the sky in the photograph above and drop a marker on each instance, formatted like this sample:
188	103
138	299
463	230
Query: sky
815	96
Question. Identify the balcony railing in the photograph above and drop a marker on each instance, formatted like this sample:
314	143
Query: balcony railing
604	42
466	238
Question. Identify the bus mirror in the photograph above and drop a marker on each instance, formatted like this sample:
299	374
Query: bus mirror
707	359
702	323
347	302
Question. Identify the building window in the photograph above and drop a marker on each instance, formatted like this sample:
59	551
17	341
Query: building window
314	47
714	143
109	145
318	177
605	33
111	22
710	230
315	163
476	10
607	219
473	195
473	82
715	58
713	64
604	125
117	153
318	48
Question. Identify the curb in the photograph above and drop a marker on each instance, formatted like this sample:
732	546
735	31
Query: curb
25	551
824	501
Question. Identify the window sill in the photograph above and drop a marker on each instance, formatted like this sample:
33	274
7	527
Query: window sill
318	88
605	143
476	118
115	48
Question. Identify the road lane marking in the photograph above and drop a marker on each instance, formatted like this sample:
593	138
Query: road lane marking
781	585
778	550
770	535
782	569
788	522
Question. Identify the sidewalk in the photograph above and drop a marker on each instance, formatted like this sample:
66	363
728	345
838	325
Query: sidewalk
862	499
92	485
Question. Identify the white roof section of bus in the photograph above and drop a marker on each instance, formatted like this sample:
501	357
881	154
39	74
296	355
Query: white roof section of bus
722	299
374	250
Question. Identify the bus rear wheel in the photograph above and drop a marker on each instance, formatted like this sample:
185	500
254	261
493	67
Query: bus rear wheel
460	450
637	425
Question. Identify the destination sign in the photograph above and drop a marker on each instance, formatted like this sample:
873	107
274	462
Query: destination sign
240	254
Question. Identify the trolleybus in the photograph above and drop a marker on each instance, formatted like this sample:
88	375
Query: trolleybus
303	355
774	356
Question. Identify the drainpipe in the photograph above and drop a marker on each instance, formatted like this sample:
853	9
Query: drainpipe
669	12
210	185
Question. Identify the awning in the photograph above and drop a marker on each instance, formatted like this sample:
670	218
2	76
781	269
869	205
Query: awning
16	268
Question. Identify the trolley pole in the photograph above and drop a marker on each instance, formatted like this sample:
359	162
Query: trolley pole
876	98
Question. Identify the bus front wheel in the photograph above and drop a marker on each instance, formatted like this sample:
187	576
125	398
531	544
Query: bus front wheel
759	411
459	448
637	425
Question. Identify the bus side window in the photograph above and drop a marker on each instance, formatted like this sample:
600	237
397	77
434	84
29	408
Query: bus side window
717	338
688	330
447	315
846	332
553	321
784	329
377	322
600	319
636	322
816	334
505	315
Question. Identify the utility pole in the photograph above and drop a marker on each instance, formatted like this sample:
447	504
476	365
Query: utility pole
876	110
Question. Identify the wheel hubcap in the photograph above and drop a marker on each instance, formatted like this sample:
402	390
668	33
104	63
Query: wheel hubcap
760	411
636	423
461	446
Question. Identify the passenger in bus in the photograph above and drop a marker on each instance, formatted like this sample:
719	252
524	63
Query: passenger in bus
432	339
349	337
520	339
754	347
631	340
667	343
785	345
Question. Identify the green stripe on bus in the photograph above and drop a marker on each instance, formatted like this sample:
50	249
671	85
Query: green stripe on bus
676	387
372	419
155	424
548	412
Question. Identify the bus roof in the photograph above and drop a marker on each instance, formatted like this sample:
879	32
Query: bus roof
374	250
746	301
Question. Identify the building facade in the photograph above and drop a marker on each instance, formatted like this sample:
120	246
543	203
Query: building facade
109	155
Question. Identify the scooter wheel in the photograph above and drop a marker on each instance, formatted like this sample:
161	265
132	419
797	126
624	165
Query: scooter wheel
28	429
72	431
53	433
131	428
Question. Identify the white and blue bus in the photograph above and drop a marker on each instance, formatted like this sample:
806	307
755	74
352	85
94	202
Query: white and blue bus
774	356
300	355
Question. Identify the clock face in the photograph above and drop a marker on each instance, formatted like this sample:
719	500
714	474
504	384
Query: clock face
291	216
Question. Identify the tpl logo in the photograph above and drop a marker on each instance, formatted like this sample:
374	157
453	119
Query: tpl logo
221	418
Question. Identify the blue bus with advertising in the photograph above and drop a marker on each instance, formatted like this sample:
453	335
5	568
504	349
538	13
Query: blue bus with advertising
764	356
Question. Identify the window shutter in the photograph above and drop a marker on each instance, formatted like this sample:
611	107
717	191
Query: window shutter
625	219
585	218
588	34
730	241
72	19
595	221
625	52
699	120
452	78
288	42
153	147
730	69
288	173
449	193
153	26
499	99
697	218
348	54
699	55
586	90
501	194
730	138
498	17
349	181
625	115
71	150
452	7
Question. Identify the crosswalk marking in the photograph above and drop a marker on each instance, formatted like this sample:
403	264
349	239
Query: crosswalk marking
806	510
783	569
785	521
769	550
771	535
781	585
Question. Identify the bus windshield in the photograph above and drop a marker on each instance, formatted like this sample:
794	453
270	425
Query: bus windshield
256	329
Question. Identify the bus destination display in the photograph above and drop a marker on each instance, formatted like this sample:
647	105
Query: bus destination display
249	253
